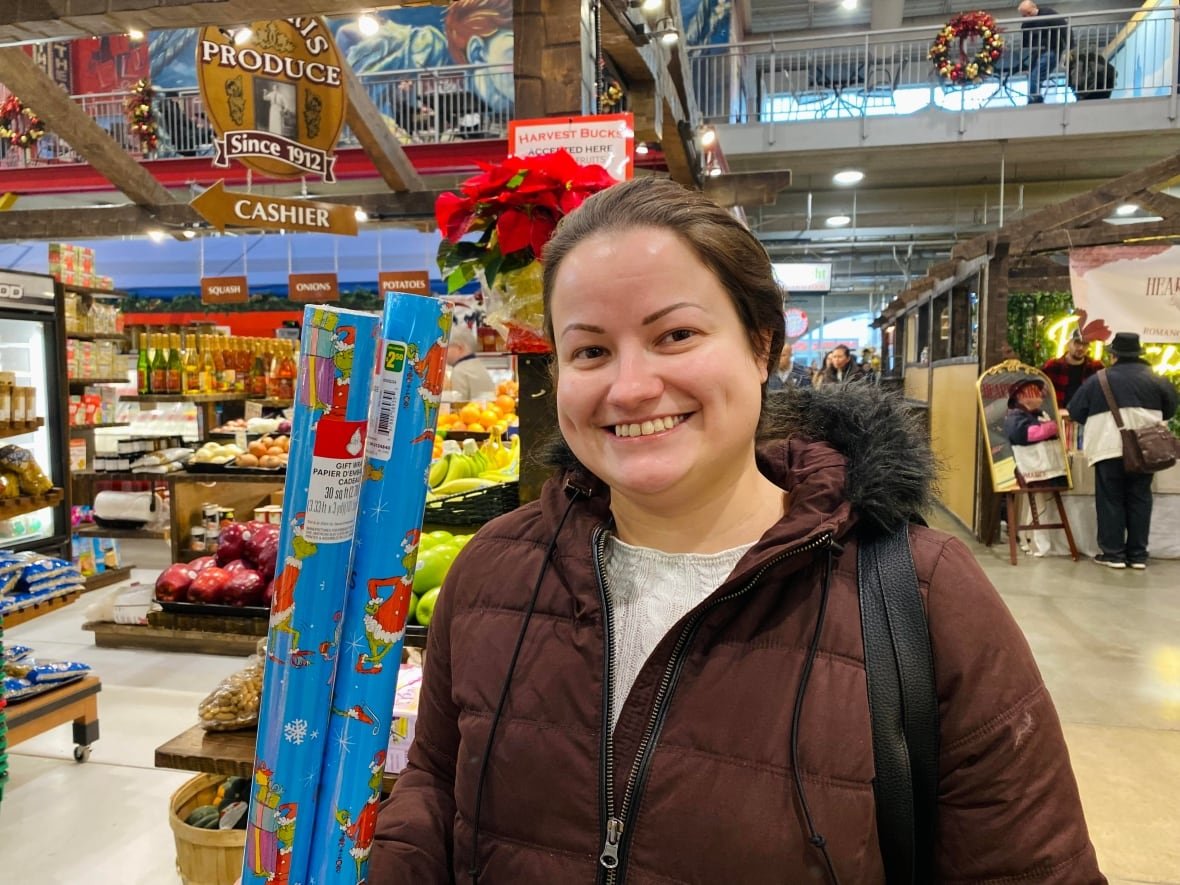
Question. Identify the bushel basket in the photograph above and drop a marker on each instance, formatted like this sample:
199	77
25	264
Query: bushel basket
474	507
204	857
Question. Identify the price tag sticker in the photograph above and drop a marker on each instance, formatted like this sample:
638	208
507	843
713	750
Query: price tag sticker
240	439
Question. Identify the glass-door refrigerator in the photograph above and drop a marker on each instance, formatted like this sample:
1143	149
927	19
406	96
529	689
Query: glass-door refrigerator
32	351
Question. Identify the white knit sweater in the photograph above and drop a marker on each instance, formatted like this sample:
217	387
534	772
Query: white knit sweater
650	591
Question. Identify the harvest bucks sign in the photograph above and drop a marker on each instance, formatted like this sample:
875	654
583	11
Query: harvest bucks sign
276	99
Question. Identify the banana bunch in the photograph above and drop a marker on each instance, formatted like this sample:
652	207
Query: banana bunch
475	467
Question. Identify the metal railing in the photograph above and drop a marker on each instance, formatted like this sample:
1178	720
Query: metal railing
463	102
1082	57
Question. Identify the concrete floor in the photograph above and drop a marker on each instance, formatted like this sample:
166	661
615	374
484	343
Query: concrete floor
1108	643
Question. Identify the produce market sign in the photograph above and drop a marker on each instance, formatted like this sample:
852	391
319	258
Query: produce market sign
318	288
222	209
606	140
413	282
276	99
224	290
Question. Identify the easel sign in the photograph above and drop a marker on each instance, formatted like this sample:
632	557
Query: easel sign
1022	428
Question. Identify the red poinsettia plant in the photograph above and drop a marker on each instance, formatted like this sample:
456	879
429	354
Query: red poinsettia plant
514	206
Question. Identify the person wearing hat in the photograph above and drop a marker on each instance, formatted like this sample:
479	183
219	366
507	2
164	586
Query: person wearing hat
1122	499
1030	430
1070	370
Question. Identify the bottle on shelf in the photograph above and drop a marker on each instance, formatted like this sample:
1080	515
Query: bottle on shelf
208	366
274	364
242	363
191	380
159	381
175	364
224	364
287	371
259	370
143	366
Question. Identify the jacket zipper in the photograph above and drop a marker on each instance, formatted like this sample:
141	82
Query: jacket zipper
616	837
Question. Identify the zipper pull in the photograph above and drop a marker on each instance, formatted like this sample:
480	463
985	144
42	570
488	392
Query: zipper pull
610	851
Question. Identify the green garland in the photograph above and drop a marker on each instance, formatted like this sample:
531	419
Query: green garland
1029	319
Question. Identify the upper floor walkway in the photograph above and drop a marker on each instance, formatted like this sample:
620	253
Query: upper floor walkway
1109	71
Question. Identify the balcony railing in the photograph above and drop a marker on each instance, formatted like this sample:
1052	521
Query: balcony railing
1081	57
426	106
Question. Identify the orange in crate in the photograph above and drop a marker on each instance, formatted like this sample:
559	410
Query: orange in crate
470	413
505	403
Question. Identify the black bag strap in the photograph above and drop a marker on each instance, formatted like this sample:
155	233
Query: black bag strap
903	706
1111	402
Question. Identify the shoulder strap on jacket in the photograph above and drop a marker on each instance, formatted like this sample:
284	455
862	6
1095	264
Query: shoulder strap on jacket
903	706
1104	383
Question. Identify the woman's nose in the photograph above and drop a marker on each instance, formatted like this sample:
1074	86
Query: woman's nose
635	381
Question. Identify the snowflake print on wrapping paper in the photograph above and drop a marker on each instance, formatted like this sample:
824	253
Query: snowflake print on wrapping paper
295	730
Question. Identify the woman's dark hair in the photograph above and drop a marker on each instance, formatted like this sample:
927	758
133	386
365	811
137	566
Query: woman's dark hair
721	243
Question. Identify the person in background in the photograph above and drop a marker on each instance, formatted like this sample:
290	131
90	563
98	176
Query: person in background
788	373
841	367
1068	371
654	672
1046	35
869	364
1122	499
469	378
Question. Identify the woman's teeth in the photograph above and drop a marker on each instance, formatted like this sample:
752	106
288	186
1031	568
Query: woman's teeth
656	425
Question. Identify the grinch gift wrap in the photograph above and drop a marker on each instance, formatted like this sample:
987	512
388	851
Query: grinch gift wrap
324	477
411	364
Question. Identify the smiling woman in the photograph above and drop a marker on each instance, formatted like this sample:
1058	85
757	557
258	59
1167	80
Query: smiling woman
616	686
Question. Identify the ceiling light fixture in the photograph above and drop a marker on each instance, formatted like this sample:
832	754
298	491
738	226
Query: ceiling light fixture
1126	209
666	31
848	176
361	215
848	4
368	25
188	234
708	136
242	36
156	235
838	221
714	171
135	34
641	149
652	6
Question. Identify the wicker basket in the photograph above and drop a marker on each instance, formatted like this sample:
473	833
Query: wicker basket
204	857
475	507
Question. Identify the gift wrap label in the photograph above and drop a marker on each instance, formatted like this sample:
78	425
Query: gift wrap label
334	492
390	383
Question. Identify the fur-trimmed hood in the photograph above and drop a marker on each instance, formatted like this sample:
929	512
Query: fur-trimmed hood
889	467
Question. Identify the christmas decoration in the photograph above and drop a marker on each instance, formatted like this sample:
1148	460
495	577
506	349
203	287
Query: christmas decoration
613	97
142	117
19	125
979	43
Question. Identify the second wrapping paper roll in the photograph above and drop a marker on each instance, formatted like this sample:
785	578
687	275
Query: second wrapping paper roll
411	366
321	496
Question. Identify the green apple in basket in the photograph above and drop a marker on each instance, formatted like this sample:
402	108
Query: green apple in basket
426	603
432	567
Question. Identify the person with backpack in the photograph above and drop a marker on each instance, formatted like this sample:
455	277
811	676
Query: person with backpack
656	672
1122	498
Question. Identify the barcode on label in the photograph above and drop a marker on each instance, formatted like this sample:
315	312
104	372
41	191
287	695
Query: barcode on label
389	393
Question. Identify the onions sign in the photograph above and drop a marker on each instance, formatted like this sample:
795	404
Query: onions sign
275	96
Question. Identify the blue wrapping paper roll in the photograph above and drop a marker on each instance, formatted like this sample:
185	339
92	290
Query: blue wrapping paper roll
411	366
321	497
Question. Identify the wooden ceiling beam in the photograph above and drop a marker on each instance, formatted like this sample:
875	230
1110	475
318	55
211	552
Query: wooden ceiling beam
1100	235
26	20
73	125
379	143
409	209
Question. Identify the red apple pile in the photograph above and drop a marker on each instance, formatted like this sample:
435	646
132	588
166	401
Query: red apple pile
241	572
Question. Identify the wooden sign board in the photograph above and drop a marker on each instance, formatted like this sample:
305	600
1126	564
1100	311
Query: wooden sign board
414	282
318	288
275	96
222	209
224	290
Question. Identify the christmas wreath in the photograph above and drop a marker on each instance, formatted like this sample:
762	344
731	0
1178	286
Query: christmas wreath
18	124
966	28
141	116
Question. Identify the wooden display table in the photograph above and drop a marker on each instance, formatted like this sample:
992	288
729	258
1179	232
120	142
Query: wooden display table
219	752
111	635
76	702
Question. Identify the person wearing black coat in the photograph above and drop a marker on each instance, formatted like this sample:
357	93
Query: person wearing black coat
1123	500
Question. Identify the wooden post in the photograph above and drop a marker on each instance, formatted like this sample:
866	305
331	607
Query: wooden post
547	57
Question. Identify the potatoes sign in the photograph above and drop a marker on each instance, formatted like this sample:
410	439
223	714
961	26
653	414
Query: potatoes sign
275	98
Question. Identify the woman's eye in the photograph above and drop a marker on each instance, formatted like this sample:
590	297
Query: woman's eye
677	335
587	353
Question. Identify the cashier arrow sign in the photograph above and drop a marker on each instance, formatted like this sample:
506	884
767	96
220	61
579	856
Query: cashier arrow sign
222	209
